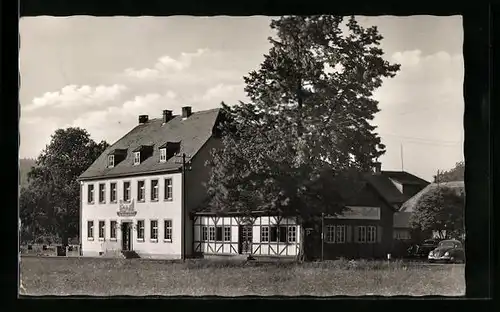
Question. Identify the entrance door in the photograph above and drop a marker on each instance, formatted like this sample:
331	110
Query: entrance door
126	236
245	239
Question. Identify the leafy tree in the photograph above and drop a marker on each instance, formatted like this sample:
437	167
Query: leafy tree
454	174
442	210
307	126
53	192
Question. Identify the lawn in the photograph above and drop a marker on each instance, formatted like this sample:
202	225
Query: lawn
137	277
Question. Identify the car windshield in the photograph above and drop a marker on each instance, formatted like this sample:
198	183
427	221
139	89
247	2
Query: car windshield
450	244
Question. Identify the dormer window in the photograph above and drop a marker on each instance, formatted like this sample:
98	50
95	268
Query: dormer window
163	154
111	161
137	158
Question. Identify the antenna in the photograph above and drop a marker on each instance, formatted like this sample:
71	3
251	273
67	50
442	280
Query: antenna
402	163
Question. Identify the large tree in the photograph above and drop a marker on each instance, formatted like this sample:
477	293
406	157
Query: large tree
308	120
441	209
53	192
454	174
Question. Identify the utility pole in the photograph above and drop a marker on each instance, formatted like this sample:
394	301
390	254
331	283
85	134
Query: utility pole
322	235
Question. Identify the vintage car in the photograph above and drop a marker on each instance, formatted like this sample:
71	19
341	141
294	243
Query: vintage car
422	250
450	250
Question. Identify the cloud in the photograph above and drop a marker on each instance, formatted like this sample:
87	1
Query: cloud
71	96
223	92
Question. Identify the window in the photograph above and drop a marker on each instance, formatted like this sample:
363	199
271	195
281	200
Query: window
112	230
292	234
90	230
273	234
330	233
102	193
167	234
141	191
340	234
126	191
102	229
227	233
218	233
264	234
163	154
154	230
211	236
168	189
277	234
137	158
204	233
361	234
140	229
112	192
372	234
111	161
154	189
90	193
282	233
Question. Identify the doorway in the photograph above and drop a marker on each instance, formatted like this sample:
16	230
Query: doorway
126	236
245	239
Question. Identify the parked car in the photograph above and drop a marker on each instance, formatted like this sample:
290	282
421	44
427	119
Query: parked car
450	250
422	250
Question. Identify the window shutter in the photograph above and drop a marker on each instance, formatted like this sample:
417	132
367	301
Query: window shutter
349	233
379	234
356	234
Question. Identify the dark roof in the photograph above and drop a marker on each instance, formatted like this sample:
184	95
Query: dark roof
404	177
192	132
389	192
410	204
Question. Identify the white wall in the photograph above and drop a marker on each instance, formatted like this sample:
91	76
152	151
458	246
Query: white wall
147	210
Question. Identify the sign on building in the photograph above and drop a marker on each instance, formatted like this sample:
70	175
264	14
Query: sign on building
126	209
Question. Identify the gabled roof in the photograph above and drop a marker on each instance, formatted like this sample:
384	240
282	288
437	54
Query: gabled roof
389	192
193	133
410	204
404	177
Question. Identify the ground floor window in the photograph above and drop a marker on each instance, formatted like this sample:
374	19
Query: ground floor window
335	234
102	229
112	229
372	234
90	230
264	234
211	233
361	237
204	233
140	229
227	233
167	234
153	230
275	234
366	234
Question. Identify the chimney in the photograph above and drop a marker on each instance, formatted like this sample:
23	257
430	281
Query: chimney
167	115
377	167
186	111
143	119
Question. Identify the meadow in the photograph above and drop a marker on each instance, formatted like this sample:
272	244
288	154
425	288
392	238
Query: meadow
139	277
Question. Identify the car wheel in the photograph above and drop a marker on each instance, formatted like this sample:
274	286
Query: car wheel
452	260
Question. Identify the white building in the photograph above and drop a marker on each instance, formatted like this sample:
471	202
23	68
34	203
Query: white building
136	197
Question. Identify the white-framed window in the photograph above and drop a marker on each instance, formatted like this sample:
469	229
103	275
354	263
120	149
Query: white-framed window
90	230
102	230
112	192
330	233
292	234
168	189
154	190
163	154
126	191
211	233
340	234
90	193
204	233
361	234
140	230
141	191
264	234
137	158
153	234
102	193
167	234
112	229
111	161
371	236
227	233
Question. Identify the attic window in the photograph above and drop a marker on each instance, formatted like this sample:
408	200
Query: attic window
111	161
137	158
163	154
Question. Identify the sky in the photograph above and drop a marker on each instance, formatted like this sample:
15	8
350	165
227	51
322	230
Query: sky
100	73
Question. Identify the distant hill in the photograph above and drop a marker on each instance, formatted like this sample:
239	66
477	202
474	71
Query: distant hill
25	165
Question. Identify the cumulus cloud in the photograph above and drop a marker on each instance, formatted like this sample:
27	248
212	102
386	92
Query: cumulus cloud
71	96
222	92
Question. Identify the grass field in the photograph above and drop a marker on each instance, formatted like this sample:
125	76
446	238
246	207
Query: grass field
136	277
